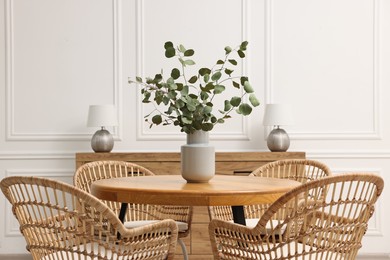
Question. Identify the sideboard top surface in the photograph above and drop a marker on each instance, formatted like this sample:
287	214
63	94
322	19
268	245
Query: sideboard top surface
175	156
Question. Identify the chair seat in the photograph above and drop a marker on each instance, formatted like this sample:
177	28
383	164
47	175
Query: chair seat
252	222
106	254
284	251
182	226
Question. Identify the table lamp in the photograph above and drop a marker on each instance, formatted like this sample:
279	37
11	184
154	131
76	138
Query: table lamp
276	115
102	116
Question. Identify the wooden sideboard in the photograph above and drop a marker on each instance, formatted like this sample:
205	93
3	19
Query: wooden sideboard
227	163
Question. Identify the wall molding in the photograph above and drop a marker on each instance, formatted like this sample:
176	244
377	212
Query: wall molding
375	134
11	133
26	155
141	132
347	154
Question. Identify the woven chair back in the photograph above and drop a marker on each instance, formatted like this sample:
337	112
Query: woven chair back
323	219
60	221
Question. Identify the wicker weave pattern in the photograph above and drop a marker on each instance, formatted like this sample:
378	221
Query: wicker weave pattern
296	169
60	221
93	171
325	219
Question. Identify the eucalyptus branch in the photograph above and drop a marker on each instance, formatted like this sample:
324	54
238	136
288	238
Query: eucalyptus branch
189	102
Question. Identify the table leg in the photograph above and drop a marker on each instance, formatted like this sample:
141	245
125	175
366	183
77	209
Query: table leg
239	215
122	214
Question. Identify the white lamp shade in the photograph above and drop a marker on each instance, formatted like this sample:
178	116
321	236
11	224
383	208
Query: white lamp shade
278	114
102	115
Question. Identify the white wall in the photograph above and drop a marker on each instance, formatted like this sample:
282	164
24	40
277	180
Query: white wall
330	59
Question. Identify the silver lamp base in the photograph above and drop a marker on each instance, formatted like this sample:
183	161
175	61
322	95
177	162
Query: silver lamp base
102	141
278	140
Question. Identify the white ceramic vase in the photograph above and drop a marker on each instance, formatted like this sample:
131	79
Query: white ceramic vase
197	158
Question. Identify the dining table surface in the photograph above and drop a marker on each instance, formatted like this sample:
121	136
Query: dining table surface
221	190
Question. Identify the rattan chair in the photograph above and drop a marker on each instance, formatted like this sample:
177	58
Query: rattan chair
60	221
294	169
323	219
137	214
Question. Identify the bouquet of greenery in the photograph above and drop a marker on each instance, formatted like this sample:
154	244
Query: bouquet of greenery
189	99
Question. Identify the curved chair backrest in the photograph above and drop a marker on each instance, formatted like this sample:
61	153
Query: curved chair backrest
88	173
60	221
323	219
301	170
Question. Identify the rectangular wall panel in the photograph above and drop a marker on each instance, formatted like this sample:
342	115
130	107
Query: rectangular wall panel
207	31
323	59
60	59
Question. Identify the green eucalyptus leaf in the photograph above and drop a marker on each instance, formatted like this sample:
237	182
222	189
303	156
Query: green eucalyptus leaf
168	45
221	121
247	87
189	53
189	62
181	48
206	78
207	110
219	62
245	109
243	80
167	98
193	96
228	106
157	78
179	86
243	45
146	97
228	72
233	62
170	111
228	49
207	126
179	103
185	120
253	99
175	74
158	99
235	84
182	62
184	91
216	76
170	52
204	71
193	79
219	89
213	119
157	119
138	79
209	86
149	80
204	95
170	81
170	96
241	54
235	101
197	125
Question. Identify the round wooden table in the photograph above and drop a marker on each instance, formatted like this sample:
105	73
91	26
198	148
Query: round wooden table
221	190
